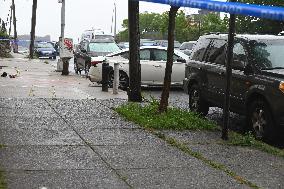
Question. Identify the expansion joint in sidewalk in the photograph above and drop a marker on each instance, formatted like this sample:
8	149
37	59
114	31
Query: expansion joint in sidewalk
92	148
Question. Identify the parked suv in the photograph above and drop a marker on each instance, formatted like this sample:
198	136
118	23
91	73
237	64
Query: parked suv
86	50
257	89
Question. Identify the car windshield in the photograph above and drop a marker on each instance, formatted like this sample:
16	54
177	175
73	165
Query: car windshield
147	43
268	54
44	45
165	44
187	46
103	47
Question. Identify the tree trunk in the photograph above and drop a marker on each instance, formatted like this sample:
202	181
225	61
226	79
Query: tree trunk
167	80
33	29
15	47
134	91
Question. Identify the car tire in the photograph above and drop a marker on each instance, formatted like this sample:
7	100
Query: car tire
196	102
54	57
260	119
123	80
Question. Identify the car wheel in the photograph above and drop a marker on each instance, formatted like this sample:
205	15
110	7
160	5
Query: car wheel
196	102
260	119
54	57
75	66
123	80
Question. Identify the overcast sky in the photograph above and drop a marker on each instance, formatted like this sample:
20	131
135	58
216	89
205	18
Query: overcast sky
80	15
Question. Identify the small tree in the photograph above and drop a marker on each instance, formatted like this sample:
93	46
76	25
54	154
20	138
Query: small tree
170	53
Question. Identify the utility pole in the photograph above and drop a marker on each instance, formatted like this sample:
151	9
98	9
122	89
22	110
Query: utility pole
65	61
33	29
15	48
134	90
10	22
114	20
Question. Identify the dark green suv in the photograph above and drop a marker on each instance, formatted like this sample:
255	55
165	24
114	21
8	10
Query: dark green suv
257	89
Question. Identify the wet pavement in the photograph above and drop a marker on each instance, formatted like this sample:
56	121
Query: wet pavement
76	140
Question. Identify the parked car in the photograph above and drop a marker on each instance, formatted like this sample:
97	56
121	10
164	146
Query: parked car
85	50
45	50
123	45
186	47
153	63
164	43
89	35
146	42
257	89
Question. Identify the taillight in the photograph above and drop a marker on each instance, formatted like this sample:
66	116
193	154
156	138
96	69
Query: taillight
281	86
94	63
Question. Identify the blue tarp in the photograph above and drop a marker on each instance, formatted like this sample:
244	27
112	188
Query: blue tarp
260	11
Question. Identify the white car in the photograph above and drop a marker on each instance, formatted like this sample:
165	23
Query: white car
153	63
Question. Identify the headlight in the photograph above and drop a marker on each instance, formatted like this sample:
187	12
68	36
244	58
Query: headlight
281	86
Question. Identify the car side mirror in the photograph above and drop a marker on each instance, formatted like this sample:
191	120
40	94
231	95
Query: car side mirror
239	65
181	60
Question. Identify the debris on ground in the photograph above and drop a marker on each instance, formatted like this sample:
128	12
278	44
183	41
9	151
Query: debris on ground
12	76
4	74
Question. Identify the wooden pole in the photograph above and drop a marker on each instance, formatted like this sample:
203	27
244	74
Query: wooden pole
134	90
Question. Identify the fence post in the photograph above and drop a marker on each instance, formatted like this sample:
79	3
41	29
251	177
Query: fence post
105	77
116	78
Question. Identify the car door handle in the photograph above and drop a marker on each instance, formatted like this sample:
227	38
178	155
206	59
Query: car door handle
158	66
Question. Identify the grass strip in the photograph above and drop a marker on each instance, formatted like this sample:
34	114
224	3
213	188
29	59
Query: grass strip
3	184
248	140
209	162
174	118
177	119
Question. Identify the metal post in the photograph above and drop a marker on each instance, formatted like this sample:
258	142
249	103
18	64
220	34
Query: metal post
116	78
226	109
134	90
105	78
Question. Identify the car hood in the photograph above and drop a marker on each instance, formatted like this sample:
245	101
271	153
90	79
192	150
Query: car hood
95	54
45	49
275	73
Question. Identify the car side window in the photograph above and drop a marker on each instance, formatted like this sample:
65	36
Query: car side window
200	49
239	57
125	55
159	55
145	54
217	52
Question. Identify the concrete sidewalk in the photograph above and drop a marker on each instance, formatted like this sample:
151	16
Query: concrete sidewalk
80	142
37	78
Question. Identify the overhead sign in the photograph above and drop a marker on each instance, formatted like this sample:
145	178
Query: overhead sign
260	11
